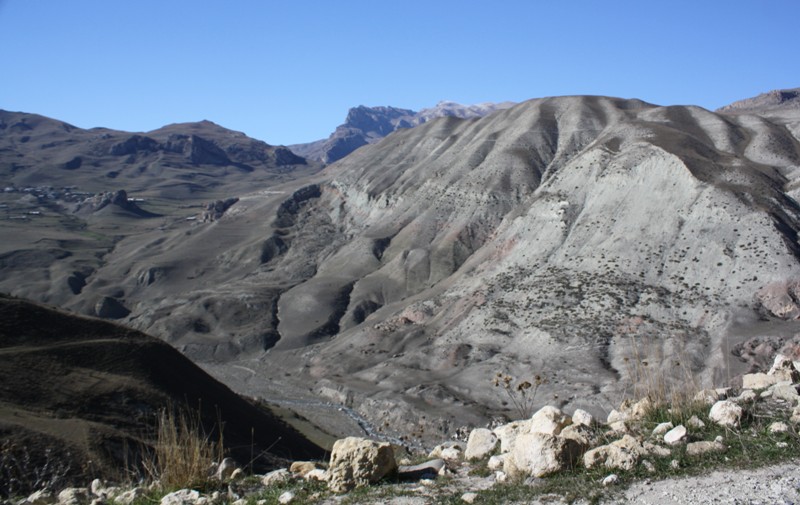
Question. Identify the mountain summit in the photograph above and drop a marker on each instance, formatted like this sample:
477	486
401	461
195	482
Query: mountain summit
365	125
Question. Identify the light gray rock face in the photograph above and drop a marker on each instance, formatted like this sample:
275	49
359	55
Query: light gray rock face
357	462
676	435
622	454
547	237
726	413
549	420
482	442
540	454
181	497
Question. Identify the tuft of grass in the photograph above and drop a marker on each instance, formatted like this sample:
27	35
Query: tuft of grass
183	453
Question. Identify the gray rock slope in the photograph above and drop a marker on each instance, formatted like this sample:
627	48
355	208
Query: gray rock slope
604	243
365	125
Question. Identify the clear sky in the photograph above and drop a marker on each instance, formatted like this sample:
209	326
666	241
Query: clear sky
287	71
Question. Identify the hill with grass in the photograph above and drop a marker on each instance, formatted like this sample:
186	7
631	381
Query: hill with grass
81	399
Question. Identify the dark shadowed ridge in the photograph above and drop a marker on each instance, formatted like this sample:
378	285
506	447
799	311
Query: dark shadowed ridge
84	393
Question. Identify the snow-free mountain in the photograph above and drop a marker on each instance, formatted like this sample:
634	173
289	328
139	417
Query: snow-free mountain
366	125
573	237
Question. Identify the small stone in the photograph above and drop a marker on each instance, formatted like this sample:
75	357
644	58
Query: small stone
469	497
357	462
301	468
495	462
427	470
41	497
662	428
778	427
615	416
130	496
611	480
286	497
317	474
765	394
582	417
500	477
276	477
619	427
549	420
782	445
656	450
181	497
650	467
758	380
726	413
676	435
748	395
226	469
786	392
707	396
675	464
696	422
480	444
508	433
581	434
451	454
73	496
699	448
237	474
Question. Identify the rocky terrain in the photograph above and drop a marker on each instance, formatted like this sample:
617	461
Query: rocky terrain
569	237
646	452
366	125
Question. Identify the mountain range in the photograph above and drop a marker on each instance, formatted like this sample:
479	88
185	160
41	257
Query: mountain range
366	125
567	237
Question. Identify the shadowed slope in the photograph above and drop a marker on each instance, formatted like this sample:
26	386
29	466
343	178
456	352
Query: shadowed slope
84	393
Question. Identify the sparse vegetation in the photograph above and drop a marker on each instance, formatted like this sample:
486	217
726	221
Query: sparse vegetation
184	453
521	393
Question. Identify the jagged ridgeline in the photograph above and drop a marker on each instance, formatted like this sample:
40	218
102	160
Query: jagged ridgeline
577	237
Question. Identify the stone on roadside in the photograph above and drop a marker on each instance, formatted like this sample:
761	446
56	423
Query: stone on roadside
661	429
181	497
540	454
129	496
508	433
469	497
286	497
649	466
428	470
704	447
549	420
40	497
707	396
621	454
726	413
655	450
786	392
758	380
582	417
301	468
317	474
276	477
481	443
611	480
226	469
696	422
676	435
437	452
581	434
778	427
496	462
74	496
357	462
747	395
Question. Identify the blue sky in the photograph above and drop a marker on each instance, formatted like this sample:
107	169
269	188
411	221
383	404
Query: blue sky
287	71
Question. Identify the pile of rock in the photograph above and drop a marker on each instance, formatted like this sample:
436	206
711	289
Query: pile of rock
551	441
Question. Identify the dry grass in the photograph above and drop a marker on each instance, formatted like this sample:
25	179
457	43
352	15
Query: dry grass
184	453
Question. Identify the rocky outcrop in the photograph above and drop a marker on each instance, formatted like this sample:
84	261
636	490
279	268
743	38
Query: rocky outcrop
215	210
366	125
357	462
